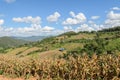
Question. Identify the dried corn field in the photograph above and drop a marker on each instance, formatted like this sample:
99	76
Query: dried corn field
104	67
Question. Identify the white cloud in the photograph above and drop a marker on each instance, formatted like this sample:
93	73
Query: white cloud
76	19
54	17
85	27
72	13
68	28
95	17
34	29
91	22
28	19
113	19
115	8
70	21
113	16
47	29
9	1
8	29
28	31
95	27
36	26
1	21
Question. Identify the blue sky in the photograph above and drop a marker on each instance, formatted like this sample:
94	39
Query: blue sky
52	17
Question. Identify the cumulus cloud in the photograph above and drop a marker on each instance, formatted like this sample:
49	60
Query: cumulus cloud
68	28
9	1
85	27
113	16
29	31
76	19
72	14
113	19
35	27
115	8
54	17
33	30
47	29
1	21
28	19
96	27
8	29
95	17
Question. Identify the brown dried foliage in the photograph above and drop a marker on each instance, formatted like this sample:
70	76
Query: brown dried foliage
104	67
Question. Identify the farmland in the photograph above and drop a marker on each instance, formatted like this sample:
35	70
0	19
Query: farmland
86	55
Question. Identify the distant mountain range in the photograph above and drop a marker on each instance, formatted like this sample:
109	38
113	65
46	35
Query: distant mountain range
16	41
31	38
11	42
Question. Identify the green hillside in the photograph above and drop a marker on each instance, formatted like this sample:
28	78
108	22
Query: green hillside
100	42
81	42
6	42
31	38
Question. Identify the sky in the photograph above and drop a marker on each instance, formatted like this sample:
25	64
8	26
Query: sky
53	17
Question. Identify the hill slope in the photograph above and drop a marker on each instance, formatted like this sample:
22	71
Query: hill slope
10	42
31	38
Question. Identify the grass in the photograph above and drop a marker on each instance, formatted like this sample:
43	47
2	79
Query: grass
17	50
29	50
71	46
83	35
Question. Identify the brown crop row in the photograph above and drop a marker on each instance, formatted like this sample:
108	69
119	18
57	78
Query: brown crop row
104	67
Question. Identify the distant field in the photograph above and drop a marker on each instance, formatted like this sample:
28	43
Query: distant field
17	50
83	36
